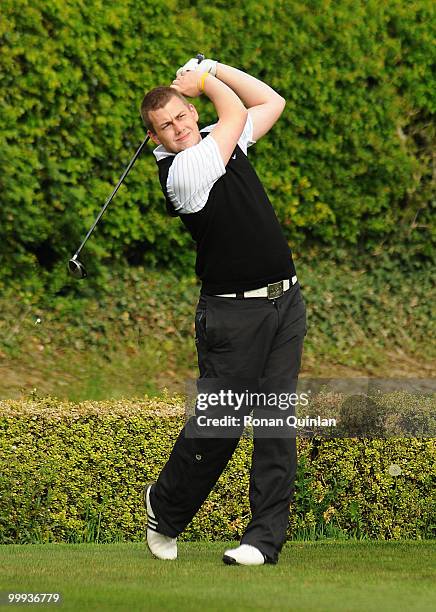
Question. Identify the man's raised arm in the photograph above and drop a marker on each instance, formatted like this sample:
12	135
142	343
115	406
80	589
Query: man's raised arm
232	114
264	104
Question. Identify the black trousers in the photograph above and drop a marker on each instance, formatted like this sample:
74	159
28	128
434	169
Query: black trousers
256	342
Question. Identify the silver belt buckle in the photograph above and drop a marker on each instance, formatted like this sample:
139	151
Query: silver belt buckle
275	290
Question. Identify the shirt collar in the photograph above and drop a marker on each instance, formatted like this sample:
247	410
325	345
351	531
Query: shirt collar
160	153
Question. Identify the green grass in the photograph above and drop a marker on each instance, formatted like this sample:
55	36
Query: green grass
135	336
310	576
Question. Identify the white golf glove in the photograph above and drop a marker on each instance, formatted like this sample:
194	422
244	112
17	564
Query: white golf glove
206	65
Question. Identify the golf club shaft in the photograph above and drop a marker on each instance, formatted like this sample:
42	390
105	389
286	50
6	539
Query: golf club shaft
109	200
200	58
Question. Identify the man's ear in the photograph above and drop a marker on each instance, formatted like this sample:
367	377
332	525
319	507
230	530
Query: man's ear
153	136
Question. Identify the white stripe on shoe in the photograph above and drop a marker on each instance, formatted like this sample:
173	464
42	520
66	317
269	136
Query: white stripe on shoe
161	546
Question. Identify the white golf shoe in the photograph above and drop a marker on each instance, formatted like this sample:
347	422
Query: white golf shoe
160	545
245	554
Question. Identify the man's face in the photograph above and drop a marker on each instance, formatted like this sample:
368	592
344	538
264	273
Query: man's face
175	126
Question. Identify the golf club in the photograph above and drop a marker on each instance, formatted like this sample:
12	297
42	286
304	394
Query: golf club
76	267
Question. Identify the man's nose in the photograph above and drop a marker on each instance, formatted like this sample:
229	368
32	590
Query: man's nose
178	126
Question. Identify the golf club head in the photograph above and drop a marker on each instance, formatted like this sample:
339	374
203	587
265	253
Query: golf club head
76	268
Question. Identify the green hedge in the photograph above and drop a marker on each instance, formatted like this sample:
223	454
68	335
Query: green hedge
76	472
349	163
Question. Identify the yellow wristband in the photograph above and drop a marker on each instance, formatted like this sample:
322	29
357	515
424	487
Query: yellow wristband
202	80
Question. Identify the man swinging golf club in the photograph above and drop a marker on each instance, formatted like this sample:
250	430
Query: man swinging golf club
251	318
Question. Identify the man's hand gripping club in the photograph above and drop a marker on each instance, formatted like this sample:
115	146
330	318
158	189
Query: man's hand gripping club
232	114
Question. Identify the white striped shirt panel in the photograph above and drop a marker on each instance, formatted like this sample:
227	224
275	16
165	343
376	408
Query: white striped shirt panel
192	175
